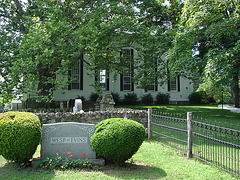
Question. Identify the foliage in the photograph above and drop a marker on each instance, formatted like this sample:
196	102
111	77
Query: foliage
162	98
81	97
196	97
117	139
147	99
93	96
116	98
207	42
57	162
20	134
41	40
213	92
130	98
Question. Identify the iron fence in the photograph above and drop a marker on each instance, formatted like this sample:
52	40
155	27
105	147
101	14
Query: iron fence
206	141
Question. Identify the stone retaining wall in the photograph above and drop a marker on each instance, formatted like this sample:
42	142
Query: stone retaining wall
93	117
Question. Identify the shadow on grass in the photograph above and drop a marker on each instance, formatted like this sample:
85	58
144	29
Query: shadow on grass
133	171
14	171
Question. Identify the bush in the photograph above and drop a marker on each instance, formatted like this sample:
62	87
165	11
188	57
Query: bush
162	98
20	134
117	139
195	98
116	98
93	97
81	97
130	98
147	99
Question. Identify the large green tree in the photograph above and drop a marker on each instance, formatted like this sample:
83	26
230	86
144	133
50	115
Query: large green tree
208	42
41	39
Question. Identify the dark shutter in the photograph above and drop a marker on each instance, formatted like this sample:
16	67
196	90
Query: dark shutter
121	82
156	85
81	73
156	80
69	78
121	75
96	78
132	70
107	74
178	82
169	85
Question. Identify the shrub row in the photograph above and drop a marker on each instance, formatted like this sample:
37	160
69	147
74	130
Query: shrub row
132	99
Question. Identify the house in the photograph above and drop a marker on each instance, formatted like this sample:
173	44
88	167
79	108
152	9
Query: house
178	88
82	84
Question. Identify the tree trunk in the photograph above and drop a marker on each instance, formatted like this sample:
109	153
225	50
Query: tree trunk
236	91
236	83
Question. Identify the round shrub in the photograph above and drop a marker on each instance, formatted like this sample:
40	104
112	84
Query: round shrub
130	98
116	98
147	99
162	98
20	134
117	139
93	97
195	98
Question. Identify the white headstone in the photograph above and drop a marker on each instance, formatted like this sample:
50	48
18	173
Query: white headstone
78	106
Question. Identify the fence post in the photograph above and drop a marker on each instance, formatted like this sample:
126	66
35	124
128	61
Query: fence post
190	137
149	123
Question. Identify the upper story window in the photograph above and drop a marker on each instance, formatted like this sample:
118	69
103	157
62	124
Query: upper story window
102	79
126	78
76	76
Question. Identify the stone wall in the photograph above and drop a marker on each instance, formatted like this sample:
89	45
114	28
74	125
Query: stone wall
93	117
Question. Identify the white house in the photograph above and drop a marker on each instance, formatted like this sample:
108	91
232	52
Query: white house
178	89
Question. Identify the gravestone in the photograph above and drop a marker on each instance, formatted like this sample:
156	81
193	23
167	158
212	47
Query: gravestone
78	106
67	137
107	102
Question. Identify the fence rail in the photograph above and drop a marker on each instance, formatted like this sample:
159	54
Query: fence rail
213	144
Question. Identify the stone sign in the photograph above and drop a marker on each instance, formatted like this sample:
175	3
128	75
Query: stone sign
107	102
67	137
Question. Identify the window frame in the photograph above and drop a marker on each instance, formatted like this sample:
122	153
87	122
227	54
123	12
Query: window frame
76	84
129	73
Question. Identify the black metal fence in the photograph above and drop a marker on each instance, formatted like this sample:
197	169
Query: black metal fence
206	141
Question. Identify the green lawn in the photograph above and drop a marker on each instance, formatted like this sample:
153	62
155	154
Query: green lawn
152	161
209	112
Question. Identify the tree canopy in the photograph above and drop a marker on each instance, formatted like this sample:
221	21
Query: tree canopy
208	42
41	39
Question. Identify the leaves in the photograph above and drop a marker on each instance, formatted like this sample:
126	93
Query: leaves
207	41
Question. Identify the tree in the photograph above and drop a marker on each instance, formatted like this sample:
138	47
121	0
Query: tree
207	42
40	40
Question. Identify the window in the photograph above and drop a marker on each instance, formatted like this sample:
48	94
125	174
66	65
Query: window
76	76
174	84
102	79
127	77
153	85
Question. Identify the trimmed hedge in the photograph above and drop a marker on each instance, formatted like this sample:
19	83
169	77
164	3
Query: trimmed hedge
117	139
20	134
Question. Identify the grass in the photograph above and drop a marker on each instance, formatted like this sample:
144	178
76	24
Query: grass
152	161
209	112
